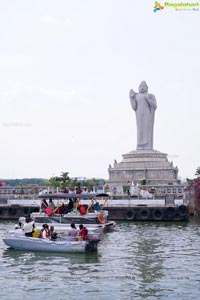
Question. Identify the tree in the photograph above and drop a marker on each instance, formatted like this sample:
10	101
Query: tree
65	176
61	181
189	181
64	179
91	184
197	172
106	188
143	181
54	181
194	186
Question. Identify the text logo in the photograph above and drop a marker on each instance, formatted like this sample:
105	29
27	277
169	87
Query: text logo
179	6
157	6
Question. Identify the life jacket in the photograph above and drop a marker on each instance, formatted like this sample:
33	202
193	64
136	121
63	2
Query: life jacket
47	232
41	233
35	233
82	209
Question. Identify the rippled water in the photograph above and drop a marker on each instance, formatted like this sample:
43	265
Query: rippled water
137	261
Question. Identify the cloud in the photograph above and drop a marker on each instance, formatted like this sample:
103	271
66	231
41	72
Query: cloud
22	105
22	92
55	21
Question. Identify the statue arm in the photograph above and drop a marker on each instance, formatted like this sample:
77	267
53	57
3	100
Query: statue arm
151	101
132	96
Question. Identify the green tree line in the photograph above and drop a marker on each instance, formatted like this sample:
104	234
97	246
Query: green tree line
63	181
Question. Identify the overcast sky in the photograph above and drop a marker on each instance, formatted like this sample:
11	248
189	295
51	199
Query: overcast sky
66	68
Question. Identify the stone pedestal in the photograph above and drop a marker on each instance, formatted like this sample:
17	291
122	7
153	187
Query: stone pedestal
151	165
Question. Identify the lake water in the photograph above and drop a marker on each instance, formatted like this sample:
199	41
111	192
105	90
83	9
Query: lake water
137	261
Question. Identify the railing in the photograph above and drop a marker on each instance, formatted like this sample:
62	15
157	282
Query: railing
19	196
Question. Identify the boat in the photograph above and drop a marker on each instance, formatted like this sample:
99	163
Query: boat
93	216
64	245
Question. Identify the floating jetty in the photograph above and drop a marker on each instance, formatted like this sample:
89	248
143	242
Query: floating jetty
129	209
14	211
157	209
148	213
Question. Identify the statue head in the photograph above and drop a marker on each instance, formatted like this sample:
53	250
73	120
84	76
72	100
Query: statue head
143	87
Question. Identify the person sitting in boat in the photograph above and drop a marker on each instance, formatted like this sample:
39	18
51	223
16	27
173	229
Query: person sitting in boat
76	205
97	206
43	205
52	234
70	205
35	232
18	229
79	208
51	231
28	227
49	210
51	204
44	233
73	232
65	209
83	233
61	209
41	231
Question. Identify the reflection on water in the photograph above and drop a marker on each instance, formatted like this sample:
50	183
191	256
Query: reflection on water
148	261
21	258
137	261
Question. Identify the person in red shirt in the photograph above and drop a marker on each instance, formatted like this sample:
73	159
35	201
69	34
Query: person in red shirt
83	232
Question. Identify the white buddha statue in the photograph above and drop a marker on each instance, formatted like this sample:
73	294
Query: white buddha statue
144	105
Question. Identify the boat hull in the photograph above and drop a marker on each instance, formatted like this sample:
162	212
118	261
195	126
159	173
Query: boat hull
37	244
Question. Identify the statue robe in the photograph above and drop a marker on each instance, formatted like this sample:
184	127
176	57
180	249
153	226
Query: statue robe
144	105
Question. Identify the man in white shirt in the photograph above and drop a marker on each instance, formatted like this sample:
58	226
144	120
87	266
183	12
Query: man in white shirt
28	227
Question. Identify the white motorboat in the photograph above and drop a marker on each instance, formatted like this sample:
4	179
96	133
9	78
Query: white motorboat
94	216
22	242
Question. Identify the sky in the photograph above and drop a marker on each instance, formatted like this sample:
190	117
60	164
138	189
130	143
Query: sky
66	69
